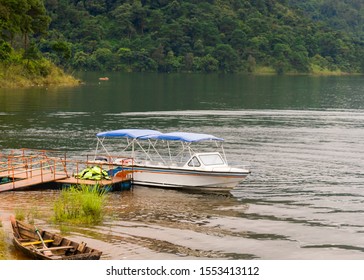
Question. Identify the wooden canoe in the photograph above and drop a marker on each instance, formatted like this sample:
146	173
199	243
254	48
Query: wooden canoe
49	246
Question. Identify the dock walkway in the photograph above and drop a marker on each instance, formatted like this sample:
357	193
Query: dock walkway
21	181
25	168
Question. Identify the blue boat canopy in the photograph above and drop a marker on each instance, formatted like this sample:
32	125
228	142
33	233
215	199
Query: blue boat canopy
183	136
128	133
145	134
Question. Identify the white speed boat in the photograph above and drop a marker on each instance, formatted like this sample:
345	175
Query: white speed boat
172	160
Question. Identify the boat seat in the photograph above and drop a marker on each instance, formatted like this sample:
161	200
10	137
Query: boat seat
55	248
55	257
36	242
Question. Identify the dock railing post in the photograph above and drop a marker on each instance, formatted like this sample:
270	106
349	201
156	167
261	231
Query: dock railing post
77	172
41	170
54	168
12	169
9	164
31	167
26	168
64	164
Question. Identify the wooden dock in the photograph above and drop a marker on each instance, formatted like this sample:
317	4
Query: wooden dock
26	168
22	181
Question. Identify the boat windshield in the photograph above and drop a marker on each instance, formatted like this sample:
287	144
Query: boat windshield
211	159
194	162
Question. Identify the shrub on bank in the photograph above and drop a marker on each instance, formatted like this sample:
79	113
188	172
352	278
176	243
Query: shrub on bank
18	70
80	204
35	74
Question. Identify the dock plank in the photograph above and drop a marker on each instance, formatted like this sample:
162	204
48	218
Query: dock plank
32	181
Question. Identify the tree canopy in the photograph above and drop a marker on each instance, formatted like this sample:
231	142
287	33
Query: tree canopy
191	35
22	18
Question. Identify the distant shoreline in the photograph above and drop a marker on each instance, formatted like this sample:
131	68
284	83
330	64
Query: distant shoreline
23	82
15	76
58	78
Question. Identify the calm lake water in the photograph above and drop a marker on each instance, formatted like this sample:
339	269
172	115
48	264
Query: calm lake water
303	138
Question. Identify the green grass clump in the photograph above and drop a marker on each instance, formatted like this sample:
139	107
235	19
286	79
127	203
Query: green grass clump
3	244
83	204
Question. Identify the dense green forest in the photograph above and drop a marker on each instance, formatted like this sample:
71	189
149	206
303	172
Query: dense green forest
22	24
281	36
344	15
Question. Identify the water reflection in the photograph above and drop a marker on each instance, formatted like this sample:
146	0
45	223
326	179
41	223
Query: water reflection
129	92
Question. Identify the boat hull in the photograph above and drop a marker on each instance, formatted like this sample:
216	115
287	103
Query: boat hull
188	179
50	246
38	256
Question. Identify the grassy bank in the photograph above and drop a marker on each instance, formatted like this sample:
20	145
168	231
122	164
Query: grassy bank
3	244
34	73
315	70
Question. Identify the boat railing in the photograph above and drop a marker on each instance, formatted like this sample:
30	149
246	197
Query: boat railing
125	160
109	159
150	163
160	163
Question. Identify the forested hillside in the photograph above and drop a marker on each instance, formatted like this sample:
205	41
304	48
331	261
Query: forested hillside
344	15
22	23
282	36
